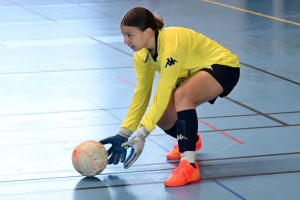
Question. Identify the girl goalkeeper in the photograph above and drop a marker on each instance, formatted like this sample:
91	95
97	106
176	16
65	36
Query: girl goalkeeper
193	70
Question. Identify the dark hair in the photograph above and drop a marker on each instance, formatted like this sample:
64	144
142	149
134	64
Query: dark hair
142	19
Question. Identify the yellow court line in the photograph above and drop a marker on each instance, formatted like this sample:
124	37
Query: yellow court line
255	13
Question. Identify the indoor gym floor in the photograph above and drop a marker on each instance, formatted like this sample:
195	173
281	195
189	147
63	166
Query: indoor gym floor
66	76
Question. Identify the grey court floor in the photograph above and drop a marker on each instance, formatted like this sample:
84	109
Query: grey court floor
66	76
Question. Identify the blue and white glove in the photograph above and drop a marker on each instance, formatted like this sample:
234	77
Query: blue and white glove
116	152
137	145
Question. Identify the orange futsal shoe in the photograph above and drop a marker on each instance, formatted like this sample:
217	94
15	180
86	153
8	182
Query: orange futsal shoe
175	154
183	174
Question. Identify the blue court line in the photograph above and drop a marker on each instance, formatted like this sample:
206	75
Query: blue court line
223	186
114	116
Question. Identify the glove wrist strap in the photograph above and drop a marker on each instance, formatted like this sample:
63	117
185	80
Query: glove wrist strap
125	132
143	133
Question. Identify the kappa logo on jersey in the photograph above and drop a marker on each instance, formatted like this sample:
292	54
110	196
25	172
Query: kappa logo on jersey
189	73
147	57
170	62
181	137
209	67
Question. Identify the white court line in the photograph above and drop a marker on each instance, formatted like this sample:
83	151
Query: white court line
60	21
10	7
56	42
86	20
39	6
24	23
50	42
110	39
110	2
42	6
71	4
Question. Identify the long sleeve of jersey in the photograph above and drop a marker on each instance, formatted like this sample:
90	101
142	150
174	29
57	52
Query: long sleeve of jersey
140	100
170	64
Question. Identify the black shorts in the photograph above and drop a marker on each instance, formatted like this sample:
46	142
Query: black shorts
226	76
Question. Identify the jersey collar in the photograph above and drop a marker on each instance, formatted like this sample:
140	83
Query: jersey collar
156	40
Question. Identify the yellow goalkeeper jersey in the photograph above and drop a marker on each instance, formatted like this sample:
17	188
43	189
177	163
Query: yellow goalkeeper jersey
181	52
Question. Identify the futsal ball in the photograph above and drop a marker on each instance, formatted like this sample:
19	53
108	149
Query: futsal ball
89	158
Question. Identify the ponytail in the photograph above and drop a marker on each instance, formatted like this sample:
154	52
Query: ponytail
159	22
142	18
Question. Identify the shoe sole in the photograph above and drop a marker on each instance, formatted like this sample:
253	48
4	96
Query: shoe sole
169	185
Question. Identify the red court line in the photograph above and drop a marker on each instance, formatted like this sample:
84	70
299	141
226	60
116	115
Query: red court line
222	132
30	32
126	81
203	122
74	55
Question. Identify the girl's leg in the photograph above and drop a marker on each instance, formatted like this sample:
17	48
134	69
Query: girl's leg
196	90
168	120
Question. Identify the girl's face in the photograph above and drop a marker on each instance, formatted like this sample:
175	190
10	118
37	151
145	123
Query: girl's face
134	37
